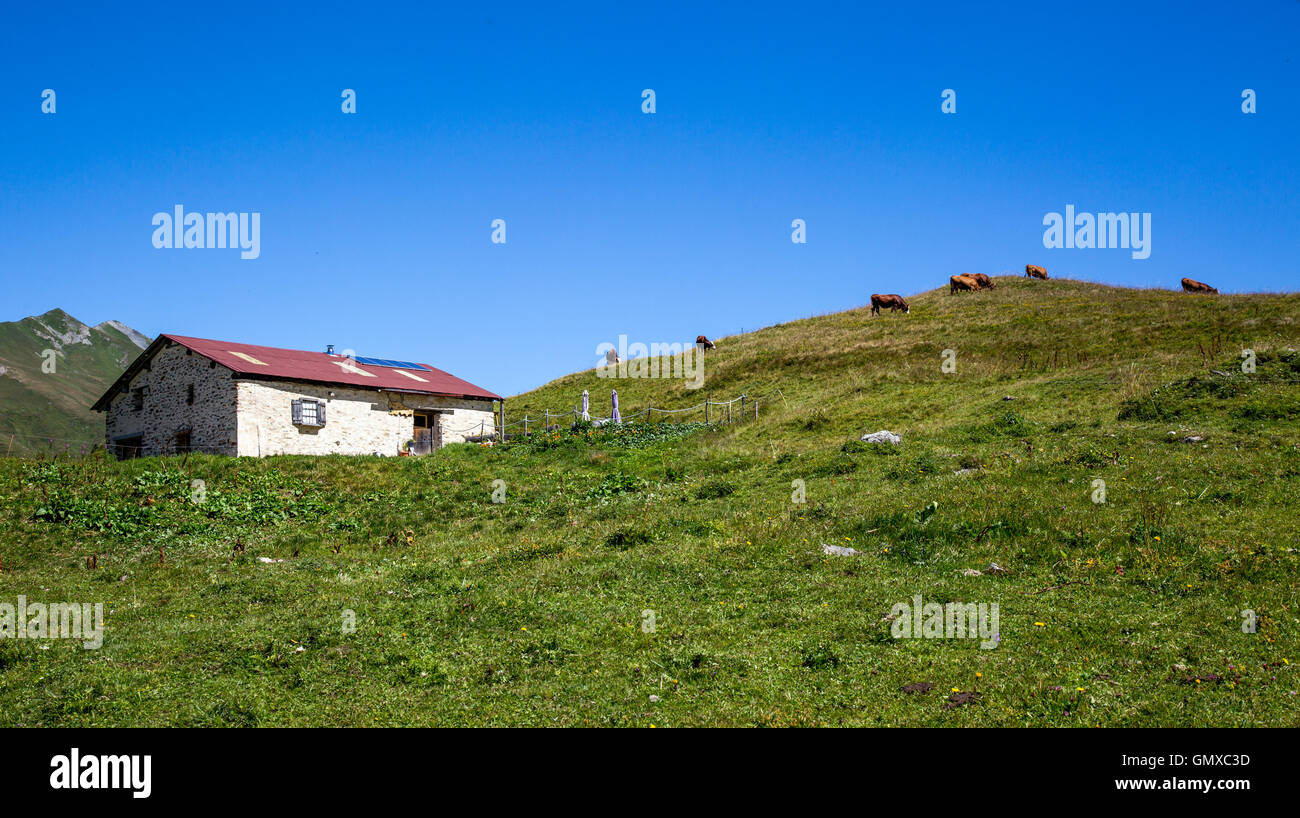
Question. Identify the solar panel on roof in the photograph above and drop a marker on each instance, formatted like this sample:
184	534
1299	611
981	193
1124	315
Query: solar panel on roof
391	363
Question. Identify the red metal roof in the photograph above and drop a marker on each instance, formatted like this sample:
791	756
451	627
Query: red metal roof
320	367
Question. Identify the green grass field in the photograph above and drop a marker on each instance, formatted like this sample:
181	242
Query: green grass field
534	611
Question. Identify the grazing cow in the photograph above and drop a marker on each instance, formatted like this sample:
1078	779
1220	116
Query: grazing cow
701	340
893	301
611	357
962	282
1191	285
1034	271
984	281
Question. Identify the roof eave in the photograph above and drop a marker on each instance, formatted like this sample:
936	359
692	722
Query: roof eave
263	376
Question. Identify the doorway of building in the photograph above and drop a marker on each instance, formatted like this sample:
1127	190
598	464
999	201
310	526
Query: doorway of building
427	434
126	448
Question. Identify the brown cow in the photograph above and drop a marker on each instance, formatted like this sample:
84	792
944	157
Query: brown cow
893	301
1034	271
611	357
1191	285
962	282
701	340
984	281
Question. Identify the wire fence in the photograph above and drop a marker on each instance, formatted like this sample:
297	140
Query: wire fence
740	408
46	447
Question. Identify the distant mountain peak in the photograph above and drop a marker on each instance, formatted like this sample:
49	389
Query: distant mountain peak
138	338
60	329
43	403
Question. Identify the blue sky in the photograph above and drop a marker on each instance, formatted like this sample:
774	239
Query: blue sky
375	226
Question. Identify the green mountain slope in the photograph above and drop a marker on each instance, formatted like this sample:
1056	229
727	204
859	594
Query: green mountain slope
36	405
1131	511
1045	342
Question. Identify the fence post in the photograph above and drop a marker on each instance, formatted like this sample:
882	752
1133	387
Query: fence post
706	410
480	429
742	407
755	410
525	424
729	409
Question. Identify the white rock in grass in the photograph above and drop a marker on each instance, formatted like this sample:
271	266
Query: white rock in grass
839	550
883	436
972	572
268	560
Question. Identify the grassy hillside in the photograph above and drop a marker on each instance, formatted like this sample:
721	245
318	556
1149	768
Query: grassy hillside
1019	339
535	610
36	405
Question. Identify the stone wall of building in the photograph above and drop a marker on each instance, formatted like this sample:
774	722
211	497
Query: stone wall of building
357	421
457	418
169	409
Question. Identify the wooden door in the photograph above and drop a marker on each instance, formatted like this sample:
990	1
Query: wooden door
425	432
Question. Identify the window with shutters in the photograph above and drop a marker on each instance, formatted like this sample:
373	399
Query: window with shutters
308	412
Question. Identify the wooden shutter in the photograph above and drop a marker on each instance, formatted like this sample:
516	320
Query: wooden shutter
297	410
320	413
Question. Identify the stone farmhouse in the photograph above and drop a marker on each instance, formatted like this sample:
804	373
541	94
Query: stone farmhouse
192	394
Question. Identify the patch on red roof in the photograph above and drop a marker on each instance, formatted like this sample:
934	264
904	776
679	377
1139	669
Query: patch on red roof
321	367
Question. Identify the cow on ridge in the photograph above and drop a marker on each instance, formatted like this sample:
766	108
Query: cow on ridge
1191	285
893	301
962	283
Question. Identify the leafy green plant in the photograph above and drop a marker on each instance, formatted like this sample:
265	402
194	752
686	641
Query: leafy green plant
714	489
616	484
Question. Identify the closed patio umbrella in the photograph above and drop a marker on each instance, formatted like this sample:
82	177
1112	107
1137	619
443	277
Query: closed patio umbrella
585	404
617	418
